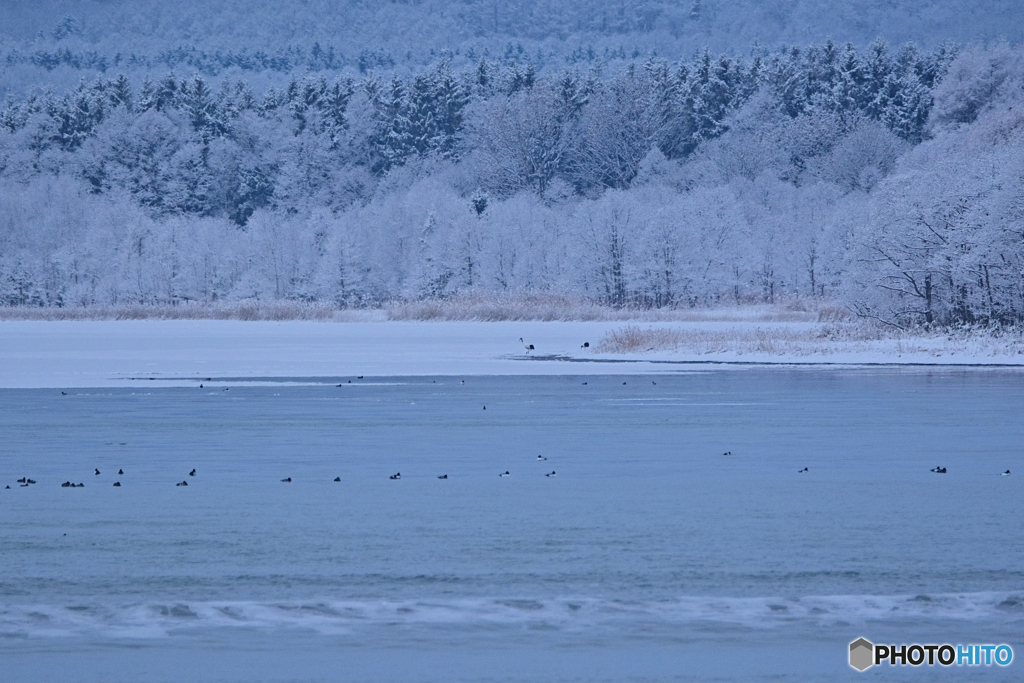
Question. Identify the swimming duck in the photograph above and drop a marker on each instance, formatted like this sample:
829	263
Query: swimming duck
182	483
192	473
117	483
550	475
337	479
120	471
97	472
505	474
443	476
287	480
1006	473
541	457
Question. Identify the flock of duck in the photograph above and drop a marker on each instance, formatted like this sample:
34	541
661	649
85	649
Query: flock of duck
24	481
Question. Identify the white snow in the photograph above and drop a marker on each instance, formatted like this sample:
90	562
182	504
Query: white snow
58	354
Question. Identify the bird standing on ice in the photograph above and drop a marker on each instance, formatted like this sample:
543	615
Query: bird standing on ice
529	347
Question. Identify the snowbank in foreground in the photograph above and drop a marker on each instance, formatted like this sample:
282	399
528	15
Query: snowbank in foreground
180	352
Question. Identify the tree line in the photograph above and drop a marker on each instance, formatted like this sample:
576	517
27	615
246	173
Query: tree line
686	183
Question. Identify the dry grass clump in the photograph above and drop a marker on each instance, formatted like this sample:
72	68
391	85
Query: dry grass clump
855	336
772	341
633	339
511	307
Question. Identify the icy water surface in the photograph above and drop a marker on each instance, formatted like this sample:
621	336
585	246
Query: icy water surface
649	556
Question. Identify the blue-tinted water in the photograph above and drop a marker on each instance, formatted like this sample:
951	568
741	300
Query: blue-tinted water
649	556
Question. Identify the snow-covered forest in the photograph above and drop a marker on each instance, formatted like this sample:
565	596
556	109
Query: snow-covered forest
888	179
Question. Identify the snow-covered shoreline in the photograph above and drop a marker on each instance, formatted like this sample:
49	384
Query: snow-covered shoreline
36	354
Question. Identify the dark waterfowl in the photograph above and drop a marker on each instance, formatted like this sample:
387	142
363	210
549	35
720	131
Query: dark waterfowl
22	480
541	457
443	476
505	474
182	483
97	472
30	481
117	483
120	471
1006	473
396	475
287	480
552	474
337	479
586	345
192	473
66	485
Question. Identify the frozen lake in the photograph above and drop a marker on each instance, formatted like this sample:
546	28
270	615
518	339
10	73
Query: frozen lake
650	556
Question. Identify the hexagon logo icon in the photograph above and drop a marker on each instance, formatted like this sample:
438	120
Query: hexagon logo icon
862	654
